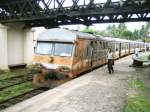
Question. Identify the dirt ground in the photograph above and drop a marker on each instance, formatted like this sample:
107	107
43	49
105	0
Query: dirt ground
97	91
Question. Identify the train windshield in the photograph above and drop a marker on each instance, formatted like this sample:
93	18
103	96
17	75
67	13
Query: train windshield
57	49
44	48
63	49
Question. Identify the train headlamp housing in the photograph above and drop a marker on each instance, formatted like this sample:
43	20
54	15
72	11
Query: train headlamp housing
51	59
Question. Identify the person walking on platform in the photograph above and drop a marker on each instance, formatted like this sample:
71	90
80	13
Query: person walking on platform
110	63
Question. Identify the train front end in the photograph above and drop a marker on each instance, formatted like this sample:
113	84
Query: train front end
55	56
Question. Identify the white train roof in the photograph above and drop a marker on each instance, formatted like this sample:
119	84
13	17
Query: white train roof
64	35
112	39
58	34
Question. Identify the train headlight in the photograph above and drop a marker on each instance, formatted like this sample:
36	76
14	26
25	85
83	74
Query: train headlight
50	59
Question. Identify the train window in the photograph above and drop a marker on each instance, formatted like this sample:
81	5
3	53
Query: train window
63	49
95	45
117	46
123	46
100	45
104	45
44	48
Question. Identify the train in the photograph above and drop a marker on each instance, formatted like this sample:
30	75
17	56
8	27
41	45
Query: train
68	53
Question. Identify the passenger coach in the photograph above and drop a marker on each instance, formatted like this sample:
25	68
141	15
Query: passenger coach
74	52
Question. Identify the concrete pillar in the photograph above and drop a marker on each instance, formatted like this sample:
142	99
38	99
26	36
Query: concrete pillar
15	38
16	45
28	46
3	47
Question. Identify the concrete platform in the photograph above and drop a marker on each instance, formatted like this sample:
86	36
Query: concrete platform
96	91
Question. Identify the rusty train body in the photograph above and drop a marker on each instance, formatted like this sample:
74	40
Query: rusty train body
71	53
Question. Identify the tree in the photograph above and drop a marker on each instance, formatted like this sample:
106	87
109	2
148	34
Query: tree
121	31
88	30
136	35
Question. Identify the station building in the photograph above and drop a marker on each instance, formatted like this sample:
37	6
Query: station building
16	45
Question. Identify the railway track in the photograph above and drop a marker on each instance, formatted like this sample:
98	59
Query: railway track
14	74
14	81
22	97
18	88
13	77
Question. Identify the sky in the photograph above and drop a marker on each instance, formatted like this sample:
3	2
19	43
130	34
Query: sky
102	26
69	2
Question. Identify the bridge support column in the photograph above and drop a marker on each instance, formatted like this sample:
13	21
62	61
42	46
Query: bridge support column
16	45
3	47
28	46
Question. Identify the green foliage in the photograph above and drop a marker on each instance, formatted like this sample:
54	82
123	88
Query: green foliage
88	30
137	103
137	84
121	31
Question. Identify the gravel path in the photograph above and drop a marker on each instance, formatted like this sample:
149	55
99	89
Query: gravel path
94	92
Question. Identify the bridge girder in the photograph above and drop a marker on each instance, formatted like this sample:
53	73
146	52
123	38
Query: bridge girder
55	12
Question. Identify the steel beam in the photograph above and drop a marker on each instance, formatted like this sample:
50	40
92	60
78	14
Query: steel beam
55	13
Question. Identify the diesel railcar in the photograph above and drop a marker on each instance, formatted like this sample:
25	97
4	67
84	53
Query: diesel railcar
72	52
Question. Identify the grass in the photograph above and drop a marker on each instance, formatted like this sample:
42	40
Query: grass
138	102
137	84
8	82
10	74
15	91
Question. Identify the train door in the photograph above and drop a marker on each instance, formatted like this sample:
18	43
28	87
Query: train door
106	45
131	47
120	49
134	47
116	49
125	48
129	44
92	51
89	54
101	52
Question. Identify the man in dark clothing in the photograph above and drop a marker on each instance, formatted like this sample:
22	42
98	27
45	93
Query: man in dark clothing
110	58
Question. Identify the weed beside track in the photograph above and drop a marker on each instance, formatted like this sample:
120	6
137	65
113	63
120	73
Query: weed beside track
30	92
14	81
16	86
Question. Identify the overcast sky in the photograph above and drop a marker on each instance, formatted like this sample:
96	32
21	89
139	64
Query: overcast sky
102	26
68	3
131	26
